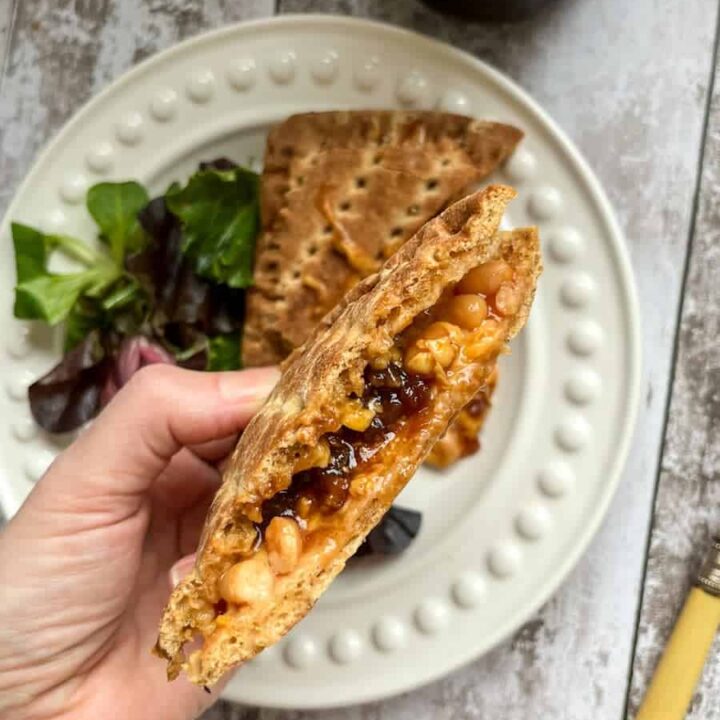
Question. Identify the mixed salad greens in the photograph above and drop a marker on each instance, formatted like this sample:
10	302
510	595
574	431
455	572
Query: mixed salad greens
166	284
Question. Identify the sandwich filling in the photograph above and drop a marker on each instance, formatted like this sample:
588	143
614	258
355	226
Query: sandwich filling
467	327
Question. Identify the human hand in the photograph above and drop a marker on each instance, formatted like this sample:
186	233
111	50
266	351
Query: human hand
84	565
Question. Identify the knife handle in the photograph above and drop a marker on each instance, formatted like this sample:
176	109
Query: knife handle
681	664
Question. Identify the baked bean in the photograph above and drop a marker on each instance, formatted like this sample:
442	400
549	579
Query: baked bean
437	345
419	361
284	544
442	330
248	581
443	350
507	299
486	278
467	311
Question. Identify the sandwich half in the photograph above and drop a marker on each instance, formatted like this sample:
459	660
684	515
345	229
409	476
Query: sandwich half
342	191
356	411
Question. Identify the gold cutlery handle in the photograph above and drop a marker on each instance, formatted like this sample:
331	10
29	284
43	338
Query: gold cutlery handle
681	664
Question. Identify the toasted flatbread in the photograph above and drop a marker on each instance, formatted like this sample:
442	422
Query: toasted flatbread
324	458
341	191
462	437
455	140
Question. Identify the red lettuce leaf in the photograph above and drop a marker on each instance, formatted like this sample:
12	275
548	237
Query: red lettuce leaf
184	304
69	395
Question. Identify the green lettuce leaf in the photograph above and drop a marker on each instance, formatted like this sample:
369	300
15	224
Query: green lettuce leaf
224	352
84	317
114	207
44	295
220	218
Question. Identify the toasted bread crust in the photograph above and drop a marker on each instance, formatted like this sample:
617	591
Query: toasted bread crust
341	192
325	370
293	144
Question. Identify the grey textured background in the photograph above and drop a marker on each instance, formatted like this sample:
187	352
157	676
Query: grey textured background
632	84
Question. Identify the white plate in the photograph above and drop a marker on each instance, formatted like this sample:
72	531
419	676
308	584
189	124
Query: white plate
500	530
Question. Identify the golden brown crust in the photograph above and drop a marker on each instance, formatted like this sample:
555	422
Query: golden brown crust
304	406
293	144
462	436
341	192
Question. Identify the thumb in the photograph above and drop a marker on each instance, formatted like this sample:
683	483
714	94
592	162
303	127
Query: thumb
162	409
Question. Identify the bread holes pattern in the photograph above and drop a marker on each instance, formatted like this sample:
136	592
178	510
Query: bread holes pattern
565	246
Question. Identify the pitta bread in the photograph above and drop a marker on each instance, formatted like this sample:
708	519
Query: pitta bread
341	191
310	401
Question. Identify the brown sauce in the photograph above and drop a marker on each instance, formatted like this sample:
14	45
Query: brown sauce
395	395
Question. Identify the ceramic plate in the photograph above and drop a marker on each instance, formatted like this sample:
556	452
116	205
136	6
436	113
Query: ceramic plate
500	530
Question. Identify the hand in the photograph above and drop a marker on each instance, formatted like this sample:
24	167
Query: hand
84	565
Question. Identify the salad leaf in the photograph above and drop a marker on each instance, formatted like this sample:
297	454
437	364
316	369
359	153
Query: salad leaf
132	354
32	250
43	295
123	308
114	207
69	395
50	297
221	163
220	218
183	303
394	533
224	352
84	317
169	288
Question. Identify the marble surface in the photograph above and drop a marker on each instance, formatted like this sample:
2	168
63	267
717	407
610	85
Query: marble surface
632	84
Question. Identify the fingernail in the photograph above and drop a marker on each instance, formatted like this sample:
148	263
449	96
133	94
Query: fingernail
181	569
252	385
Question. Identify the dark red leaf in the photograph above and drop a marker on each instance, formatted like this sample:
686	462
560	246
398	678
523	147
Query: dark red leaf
69	395
134	353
